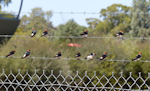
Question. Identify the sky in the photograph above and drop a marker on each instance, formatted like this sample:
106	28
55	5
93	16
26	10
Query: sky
65	6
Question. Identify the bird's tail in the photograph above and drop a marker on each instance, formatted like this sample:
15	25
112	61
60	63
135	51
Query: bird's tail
101	58
42	35
32	35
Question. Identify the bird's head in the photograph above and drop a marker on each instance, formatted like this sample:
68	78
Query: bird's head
140	53
28	50
85	30
45	30
79	52
59	52
105	52
14	51
121	31
33	28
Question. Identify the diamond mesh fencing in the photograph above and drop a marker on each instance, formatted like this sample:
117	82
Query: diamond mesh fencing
43	82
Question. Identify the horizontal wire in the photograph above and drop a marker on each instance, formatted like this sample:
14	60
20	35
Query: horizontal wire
55	85
8	36
111	60
83	12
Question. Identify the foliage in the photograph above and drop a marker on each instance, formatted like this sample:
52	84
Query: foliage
5	2
71	28
105	26
39	48
140	18
92	22
115	18
38	19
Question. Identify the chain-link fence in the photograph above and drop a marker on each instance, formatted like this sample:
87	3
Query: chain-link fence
44	82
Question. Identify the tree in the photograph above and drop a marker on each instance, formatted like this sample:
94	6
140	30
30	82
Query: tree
140	18
113	16
92	22
48	17
115	13
24	21
71	28
5	2
38	19
104	26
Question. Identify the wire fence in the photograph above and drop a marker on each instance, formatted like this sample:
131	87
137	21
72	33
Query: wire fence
52	82
73	37
50	58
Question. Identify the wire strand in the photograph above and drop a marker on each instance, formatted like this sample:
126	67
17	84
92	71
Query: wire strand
111	60
73	37
83	12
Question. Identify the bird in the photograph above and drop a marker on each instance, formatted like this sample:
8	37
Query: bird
78	55
11	53
27	54
33	32
138	57
103	57
120	34
91	56
45	33
85	34
58	55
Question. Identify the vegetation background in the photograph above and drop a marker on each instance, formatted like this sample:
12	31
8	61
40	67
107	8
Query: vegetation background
134	21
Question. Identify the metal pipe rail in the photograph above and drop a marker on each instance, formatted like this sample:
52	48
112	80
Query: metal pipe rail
111	60
73	37
77	82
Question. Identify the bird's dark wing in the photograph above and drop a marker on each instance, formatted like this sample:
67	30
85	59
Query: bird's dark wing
135	58
9	54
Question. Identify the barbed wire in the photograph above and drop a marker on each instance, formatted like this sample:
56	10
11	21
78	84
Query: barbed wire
8	36
111	60
82	12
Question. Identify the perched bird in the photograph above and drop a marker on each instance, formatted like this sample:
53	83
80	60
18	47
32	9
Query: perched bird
45	33
103	57
58	55
78	55
91	56
27	54
138	57
85	34
11	53
33	32
120	34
